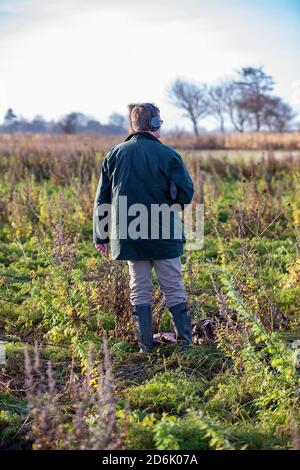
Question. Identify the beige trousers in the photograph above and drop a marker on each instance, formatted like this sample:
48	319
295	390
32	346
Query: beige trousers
169	276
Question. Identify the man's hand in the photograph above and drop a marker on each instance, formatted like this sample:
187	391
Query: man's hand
103	248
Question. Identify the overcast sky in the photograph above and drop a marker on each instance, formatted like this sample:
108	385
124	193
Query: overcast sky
96	56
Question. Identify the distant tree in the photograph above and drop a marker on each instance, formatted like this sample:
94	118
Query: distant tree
68	124
73	122
217	102
236	106
38	124
9	117
277	115
93	127
254	85
191	98
53	127
118	120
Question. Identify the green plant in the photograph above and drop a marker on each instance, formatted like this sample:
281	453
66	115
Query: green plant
170	391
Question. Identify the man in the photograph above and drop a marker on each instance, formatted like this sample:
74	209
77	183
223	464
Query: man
143	176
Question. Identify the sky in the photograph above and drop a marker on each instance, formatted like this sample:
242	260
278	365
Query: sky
97	56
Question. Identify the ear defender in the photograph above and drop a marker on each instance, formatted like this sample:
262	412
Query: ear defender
155	122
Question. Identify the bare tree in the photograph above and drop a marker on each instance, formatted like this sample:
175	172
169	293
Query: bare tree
217	101
277	115
254	85
236	106
191	98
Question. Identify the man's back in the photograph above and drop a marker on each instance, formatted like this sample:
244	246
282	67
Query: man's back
141	168
140	171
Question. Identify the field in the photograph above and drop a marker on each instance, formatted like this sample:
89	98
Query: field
73	377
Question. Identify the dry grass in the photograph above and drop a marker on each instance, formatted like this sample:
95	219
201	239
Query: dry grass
20	144
238	141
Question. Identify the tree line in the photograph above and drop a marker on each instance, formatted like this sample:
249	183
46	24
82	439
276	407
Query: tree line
72	123
244	103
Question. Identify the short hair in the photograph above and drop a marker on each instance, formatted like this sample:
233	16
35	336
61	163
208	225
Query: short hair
140	117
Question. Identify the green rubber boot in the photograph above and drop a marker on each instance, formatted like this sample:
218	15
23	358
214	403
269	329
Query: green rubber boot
144	329
180	314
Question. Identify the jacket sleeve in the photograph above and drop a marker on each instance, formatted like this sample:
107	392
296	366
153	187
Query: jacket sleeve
103	196
179	175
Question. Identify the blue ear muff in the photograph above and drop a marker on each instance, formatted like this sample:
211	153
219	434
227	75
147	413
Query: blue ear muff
154	122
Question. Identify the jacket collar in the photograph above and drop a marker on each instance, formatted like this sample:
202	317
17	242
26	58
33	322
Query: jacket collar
147	135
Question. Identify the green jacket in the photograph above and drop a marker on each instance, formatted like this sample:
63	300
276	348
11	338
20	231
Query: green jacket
142	169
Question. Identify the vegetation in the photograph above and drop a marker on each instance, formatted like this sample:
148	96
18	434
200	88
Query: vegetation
239	390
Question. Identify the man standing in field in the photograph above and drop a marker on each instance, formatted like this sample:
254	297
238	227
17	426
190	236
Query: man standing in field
143	185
